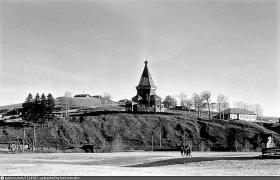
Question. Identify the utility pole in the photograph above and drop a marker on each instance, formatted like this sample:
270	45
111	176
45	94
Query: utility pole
152	142
184	139
23	140
160	139
34	138
17	147
173	106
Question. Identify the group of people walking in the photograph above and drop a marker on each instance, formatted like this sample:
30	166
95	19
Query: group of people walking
185	150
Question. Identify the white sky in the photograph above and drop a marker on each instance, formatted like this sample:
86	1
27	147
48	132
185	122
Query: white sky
228	47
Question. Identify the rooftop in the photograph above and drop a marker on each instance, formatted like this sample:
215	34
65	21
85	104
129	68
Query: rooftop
146	78
82	95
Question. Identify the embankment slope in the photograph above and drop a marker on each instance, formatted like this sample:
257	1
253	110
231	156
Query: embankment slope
124	131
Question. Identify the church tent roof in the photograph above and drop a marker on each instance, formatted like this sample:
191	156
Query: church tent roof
146	78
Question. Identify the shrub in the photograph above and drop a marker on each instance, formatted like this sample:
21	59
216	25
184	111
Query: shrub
247	146
203	146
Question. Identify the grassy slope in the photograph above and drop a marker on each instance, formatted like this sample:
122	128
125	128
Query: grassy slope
91	102
114	132
80	102
272	126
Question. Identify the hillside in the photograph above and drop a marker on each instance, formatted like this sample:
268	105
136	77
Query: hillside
123	131
86	102
11	106
78	102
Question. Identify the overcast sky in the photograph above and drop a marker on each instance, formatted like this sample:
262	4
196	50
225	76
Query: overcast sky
228	47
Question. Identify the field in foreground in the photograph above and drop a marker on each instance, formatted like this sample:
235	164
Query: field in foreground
138	164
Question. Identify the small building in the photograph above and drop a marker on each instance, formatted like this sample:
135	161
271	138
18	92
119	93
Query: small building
130	106
82	95
239	114
4	111
11	144
97	96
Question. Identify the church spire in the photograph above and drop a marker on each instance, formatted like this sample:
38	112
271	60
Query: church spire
146	78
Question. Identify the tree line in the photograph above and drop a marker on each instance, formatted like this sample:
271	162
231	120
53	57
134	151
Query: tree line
204	101
38	109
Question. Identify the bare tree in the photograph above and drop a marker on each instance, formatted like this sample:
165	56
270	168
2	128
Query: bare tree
195	98
247	106
183	101
183	98
197	103
174	102
222	104
220	99
239	104
258	110
201	105
225	106
236	104
243	105
205	96
107	96
189	104
67	94
213	106
67	101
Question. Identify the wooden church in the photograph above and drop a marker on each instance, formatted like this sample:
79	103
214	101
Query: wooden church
146	98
